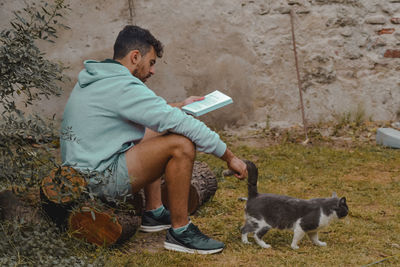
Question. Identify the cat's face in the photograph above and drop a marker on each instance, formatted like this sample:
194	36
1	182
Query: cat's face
342	209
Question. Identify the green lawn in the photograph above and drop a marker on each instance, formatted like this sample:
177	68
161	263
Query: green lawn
349	164
367	175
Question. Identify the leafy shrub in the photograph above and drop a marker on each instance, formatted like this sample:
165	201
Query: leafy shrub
40	245
26	76
27	140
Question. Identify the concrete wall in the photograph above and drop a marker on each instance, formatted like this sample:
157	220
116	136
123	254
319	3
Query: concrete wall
348	53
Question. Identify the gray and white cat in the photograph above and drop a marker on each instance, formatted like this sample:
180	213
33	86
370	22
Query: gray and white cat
266	211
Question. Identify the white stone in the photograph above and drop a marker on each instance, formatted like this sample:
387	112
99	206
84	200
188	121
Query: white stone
378	19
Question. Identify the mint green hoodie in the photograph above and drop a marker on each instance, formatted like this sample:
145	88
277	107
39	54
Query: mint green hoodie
109	109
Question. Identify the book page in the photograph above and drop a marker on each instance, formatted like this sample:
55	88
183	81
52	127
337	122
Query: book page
209	100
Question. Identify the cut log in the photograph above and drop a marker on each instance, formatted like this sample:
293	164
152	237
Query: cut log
58	191
134	204
203	186
102	228
62	194
63	185
130	224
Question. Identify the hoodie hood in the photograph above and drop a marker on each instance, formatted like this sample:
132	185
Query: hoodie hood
99	70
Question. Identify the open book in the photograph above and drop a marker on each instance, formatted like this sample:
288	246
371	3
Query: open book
212	101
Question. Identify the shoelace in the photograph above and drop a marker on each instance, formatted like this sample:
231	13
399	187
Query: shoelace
199	233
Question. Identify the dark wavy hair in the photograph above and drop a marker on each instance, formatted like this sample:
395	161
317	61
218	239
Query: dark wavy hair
133	37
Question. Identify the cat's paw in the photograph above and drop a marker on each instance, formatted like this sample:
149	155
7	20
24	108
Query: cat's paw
245	240
321	244
294	246
264	245
261	243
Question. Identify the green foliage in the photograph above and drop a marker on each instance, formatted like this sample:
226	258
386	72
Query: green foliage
27	141
25	77
23	69
351	119
41	245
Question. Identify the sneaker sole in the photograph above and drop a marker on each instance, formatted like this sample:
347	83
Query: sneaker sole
152	229
174	247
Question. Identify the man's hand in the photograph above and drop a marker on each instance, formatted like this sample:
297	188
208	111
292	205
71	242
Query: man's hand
235	164
192	99
187	101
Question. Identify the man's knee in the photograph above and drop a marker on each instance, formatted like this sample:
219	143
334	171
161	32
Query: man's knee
183	146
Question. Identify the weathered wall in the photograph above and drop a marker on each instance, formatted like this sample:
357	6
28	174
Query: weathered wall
348	54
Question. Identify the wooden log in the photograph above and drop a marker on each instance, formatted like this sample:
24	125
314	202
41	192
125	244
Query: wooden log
203	186
102	227
100	223
58	192
63	185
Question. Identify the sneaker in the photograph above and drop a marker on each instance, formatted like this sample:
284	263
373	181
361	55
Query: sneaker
151	224
192	240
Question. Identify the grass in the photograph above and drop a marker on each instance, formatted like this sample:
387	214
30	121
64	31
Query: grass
367	175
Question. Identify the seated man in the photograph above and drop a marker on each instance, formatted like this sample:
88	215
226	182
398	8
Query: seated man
103	132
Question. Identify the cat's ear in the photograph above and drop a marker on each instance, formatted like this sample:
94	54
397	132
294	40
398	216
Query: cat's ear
334	195
342	201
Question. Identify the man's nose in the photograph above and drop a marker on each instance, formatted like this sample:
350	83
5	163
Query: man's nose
152	70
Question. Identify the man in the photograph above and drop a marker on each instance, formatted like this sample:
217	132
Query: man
103	132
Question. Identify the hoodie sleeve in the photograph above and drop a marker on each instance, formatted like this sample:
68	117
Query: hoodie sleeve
139	104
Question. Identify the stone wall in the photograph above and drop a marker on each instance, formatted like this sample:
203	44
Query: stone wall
348	51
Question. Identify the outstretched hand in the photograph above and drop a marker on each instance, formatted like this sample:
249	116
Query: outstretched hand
235	164
239	167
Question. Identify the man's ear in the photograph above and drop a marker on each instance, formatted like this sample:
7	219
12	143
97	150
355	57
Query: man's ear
135	57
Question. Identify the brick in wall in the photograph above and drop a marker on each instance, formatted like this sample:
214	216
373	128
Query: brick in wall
386	31
392	53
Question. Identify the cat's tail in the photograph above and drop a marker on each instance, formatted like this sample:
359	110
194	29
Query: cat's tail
252	179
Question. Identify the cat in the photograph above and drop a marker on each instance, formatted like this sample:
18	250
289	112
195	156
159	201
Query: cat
266	211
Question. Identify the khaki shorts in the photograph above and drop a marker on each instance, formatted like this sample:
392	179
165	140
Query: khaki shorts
114	182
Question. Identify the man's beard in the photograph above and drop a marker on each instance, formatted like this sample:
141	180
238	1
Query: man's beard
143	79
148	76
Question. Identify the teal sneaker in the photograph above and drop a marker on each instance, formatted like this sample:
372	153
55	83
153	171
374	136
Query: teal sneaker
192	240
151	224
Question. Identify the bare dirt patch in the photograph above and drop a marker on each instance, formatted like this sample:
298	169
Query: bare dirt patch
329	134
145	242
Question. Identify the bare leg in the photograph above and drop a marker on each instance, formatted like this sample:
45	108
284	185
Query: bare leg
171	154
314	238
152	191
